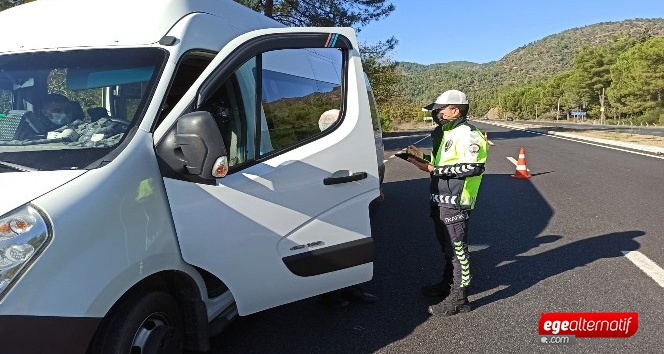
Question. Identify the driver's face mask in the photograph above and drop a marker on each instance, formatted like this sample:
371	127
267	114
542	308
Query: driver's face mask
58	114
59	118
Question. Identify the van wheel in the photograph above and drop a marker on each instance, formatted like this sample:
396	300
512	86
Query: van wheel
146	323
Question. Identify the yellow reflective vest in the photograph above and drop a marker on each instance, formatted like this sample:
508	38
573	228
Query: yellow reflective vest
459	156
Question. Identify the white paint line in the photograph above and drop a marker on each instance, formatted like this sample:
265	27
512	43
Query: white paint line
401	137
515	162
505	263
490	142
579	140
646	265
404	150
477	247
426	137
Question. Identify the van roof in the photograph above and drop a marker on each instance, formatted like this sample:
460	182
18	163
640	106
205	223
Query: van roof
58	24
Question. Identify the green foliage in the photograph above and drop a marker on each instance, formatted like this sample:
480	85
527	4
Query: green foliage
382	72
323	13
383	76
5	4
568	69
638	79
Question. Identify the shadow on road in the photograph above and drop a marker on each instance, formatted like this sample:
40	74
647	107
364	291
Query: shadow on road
510	218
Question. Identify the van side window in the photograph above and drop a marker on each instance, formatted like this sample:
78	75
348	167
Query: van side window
233	108
298	85
189	69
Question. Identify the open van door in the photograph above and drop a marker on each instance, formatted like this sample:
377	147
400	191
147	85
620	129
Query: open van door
290	220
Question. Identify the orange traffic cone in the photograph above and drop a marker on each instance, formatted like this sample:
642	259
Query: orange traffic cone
521	169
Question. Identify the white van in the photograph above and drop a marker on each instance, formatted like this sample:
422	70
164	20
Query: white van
190	184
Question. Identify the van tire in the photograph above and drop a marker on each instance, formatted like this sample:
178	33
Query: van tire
149	320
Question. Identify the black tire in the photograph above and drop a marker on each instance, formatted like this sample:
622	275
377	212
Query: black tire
145	323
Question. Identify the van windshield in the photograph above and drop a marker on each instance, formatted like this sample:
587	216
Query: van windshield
70	110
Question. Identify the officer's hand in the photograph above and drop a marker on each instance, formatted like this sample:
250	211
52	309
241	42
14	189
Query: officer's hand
421	165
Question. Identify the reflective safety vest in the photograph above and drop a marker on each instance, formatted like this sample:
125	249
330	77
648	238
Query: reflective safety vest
458	158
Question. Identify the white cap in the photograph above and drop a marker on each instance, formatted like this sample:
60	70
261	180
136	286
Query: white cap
448	97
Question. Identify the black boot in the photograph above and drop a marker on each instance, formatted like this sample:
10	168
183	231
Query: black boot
455	302
441	289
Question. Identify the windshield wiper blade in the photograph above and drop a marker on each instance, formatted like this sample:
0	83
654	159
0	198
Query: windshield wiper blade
16	167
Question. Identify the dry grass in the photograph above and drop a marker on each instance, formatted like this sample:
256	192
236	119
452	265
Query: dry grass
650	140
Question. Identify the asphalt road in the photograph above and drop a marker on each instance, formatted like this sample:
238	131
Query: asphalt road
551	243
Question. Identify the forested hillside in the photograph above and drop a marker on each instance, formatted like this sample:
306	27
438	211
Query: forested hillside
533	65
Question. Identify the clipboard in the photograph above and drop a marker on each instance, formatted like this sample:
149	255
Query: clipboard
405	156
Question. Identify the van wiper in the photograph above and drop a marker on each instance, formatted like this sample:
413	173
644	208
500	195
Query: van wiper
17	167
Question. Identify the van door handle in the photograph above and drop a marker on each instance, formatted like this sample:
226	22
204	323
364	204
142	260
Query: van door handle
345	179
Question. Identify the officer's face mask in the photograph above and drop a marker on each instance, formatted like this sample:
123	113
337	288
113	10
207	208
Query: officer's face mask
59	118
434	116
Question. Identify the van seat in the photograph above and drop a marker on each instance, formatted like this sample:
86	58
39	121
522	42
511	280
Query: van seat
96	113
76	111
13	125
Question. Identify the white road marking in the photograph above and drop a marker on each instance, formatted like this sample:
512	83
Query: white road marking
579	140
515	162
490	142
401	137
646	265
477	247
404	150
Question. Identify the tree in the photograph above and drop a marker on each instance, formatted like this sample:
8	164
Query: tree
638	79
344	13
380	69
5	4
332	13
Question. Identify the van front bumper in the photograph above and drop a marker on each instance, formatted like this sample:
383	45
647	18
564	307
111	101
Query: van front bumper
46	334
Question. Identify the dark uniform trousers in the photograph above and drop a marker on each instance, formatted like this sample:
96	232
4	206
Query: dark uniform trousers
451	228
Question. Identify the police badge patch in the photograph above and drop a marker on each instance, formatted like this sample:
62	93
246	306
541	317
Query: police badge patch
474	148
448	145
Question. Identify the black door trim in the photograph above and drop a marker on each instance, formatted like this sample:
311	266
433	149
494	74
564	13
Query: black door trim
330	259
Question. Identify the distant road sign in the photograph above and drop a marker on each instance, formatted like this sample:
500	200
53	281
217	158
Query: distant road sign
578	114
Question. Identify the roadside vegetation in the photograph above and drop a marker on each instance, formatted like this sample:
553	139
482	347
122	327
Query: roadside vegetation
609	72
613	67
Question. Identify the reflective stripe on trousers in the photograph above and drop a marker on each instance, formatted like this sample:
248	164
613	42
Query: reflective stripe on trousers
453	238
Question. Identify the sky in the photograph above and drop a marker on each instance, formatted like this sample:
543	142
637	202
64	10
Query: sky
480	31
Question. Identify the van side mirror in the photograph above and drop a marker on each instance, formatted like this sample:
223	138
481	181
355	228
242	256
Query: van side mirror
200	140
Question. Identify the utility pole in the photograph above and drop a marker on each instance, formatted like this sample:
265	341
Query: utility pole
601	107
558	111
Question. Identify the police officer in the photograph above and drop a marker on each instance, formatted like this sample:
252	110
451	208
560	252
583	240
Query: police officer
457	163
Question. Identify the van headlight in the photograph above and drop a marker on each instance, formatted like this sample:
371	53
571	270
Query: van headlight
23	234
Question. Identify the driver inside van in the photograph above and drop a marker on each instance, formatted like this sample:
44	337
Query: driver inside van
55	113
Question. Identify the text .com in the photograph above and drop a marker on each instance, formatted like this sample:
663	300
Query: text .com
589	324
